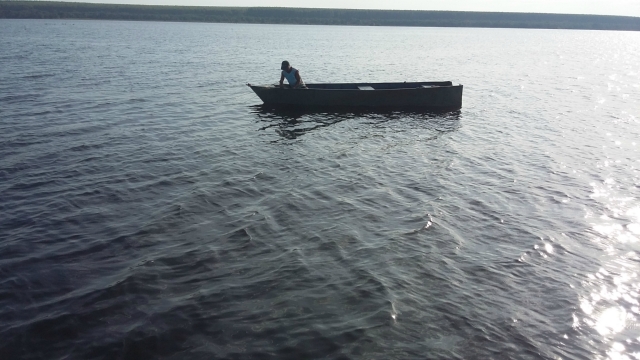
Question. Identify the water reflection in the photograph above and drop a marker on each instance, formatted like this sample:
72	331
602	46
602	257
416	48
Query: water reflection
293	123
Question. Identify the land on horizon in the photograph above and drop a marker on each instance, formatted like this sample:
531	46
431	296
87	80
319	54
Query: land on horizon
307	16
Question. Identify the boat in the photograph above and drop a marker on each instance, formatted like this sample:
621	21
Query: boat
433	95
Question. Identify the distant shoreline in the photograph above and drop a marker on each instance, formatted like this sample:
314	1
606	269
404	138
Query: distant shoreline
303	16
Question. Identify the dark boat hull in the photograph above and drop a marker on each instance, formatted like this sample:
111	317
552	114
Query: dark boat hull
425	95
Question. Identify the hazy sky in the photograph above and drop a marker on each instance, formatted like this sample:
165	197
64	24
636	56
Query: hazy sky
608	7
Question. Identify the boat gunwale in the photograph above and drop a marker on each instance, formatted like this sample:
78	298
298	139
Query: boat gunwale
276	88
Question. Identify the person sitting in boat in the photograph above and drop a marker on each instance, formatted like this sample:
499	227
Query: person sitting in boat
292	75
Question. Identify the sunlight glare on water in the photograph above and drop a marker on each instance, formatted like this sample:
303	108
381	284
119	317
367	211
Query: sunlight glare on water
612	307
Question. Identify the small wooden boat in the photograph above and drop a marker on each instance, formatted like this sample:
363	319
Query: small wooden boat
425	95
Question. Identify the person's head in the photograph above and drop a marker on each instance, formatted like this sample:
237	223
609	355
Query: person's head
285	65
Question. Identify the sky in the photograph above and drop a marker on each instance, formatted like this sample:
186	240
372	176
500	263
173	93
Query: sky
603	7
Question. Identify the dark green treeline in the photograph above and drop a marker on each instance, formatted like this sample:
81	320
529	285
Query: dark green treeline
64	10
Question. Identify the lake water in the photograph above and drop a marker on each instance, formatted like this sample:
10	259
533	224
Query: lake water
150	209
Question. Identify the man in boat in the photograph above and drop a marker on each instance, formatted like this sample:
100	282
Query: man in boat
292	75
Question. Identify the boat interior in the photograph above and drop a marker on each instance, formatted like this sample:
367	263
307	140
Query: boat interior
379	86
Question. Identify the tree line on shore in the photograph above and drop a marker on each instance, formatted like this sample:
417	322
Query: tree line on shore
266	15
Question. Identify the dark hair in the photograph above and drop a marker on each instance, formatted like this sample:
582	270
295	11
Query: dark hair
285	65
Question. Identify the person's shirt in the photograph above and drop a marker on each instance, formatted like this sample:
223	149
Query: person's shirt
291	76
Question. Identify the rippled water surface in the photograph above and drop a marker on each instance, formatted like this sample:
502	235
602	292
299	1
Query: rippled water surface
150	209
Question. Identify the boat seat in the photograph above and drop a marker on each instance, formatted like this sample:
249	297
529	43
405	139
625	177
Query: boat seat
365	88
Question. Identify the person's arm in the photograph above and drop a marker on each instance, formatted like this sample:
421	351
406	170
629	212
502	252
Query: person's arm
298	80
281	79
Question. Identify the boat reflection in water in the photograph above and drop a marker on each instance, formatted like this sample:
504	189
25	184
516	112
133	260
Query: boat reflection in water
293	123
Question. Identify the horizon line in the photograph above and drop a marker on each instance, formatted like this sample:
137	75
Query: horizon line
314	8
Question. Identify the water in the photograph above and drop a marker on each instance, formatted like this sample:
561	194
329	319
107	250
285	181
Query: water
150	208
